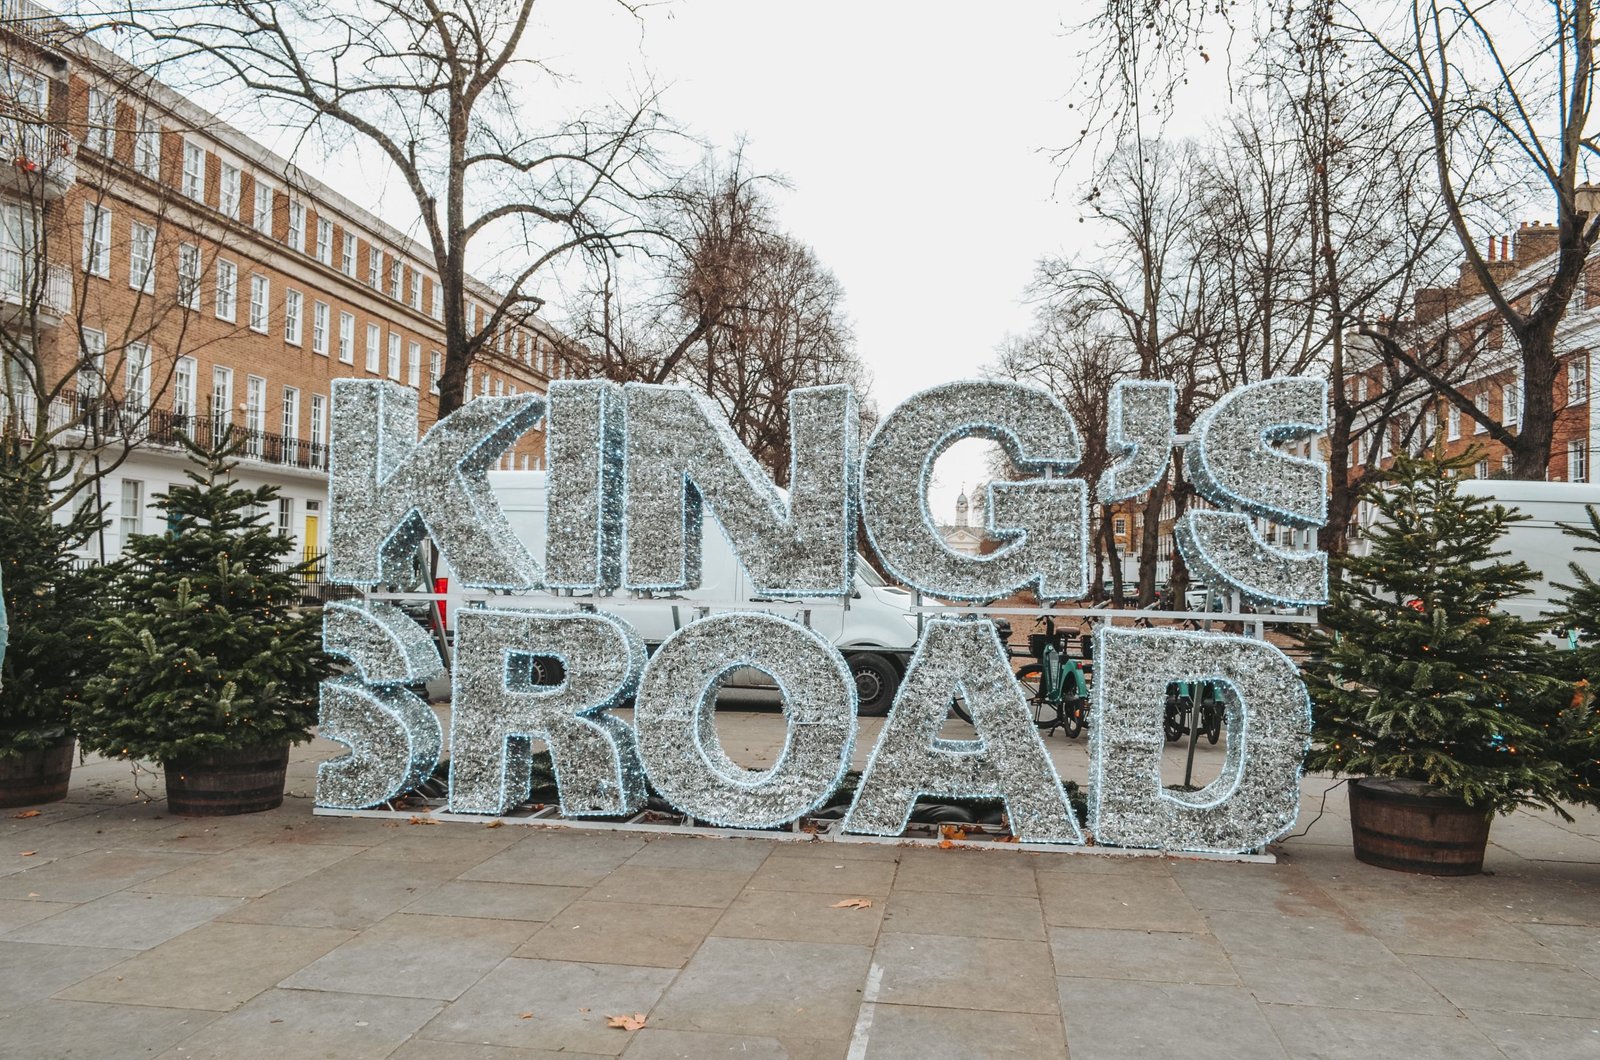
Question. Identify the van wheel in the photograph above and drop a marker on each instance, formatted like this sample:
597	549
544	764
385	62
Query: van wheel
876	683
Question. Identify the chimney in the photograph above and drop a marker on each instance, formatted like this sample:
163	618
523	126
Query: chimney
1535	240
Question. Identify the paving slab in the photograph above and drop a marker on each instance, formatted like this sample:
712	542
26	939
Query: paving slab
411	955
730	854
1509	986
767	988
95	874
1387	986
30	972
1111	1019
964	871
217	966
801	916
569	1002
1334	939
83	1030
1538	1037
1141	903
905	1032
496	901
307	1024
345	895
989	916
422	1049
949	971
562	858
622	933
653	1044
126	920
708	888
249	871
822	871
1157	956
1340	1034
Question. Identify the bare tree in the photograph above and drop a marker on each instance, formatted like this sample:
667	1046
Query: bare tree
446	91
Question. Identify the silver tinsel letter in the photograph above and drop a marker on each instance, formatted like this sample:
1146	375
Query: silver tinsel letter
682	457
1234	462
676	719
387	491
497	708
1257	795
1008	760
583	440
1142	421
394	737
1043	522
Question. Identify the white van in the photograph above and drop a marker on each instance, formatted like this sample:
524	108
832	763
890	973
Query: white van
875	627
1538	540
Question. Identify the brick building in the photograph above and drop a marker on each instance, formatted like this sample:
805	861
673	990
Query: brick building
163	274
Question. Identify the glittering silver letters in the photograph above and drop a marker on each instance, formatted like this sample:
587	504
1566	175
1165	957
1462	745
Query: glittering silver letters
1142	421
583	538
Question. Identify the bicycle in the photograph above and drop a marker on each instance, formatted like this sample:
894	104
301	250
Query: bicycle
1181	707
1057	685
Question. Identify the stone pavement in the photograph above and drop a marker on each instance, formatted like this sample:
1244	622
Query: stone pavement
126	933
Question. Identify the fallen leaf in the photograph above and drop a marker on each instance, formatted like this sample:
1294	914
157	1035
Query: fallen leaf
626	1023
275	1021
26	813
583	1010
29	853
33	894
945	844
853	903
495	824
524	1015
422	820
950	831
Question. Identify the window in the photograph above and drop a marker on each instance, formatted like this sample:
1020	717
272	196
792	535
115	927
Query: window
147	148
194	171
347	259
374	268
96	239
1578	461
319	425
472	320
438	300
183	383
396	270
325	241
136	377
347	338
293	303
291	412
1578	380
255	413
1480	469
1119	525
1455	422
28	87
295	235
394	357
435	369
228	192
260	293
263	215
227	290
319	328
102	132
414	365
132	508
189	276
91	364
221	403
374	337
1510	403
142	258
416	289
1480	401
285	516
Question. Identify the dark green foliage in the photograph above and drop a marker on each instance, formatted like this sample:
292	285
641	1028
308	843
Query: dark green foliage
213	651
1417	674
52	601
1580	614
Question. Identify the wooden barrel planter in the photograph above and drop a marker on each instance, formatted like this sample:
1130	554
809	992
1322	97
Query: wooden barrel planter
1407	826
37	776
224	783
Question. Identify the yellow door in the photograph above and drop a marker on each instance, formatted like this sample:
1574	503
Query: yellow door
311	553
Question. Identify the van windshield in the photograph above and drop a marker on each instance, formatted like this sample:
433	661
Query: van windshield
868	573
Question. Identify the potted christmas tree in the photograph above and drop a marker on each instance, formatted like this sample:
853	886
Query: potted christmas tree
1579	615
51	605
213	670
1447	708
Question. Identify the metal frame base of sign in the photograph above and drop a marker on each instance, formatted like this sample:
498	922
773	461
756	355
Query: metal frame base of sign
826	832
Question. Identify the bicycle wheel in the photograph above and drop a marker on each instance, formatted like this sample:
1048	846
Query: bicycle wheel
1045	714
1173	724
959	709
1211	719
1072	718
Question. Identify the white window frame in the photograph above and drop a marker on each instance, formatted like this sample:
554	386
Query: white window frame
136	376
374	349
435	370
291	412
394	356
1578	379
91	363
228	191
324	251
319	328
293	316
255	413
183	389
295	234
227	295
1454	422
416	290
1480	401
414	365
397	270
374	267
102	132
221	401
319	421
347	255
1511	403
147	147
189	276
194	171
438	300
261	217
96	240
131	511
142	257
260	303
347	338
1578	460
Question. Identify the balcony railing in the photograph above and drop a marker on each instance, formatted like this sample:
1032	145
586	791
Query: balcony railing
22	285
36	158
106	420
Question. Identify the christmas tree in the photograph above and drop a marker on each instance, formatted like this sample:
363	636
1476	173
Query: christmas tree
52	599
1580	615
214	652
1418	674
